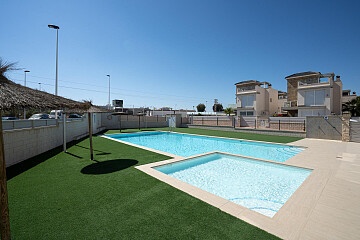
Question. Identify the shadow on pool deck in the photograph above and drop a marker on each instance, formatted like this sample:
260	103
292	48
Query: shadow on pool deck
109	166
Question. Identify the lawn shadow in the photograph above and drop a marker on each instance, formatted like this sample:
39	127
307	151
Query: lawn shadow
108	166
23	166
71	154
29	163
100	152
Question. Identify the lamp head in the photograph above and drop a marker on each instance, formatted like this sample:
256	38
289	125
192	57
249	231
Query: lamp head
53	26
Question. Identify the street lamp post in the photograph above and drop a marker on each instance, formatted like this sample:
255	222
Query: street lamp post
57	56
109	93
26	71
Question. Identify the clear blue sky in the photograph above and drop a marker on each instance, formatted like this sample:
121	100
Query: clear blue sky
177	53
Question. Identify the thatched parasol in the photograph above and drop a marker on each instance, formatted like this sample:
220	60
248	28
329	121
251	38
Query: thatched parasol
17	96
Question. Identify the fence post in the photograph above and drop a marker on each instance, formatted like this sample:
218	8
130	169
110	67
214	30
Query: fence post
157	118
234	120
202	121
304	125
139	122
279	124
217	121
255	123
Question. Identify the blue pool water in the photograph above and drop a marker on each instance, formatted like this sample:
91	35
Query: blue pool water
260	186
186	145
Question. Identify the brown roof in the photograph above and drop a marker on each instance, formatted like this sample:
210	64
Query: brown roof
302	74
248	82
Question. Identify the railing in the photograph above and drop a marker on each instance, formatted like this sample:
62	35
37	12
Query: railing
20	124
244	89
272	123
290	104
301	84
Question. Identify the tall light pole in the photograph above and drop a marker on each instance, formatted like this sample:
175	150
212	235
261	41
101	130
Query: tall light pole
57	41
26	71
109	93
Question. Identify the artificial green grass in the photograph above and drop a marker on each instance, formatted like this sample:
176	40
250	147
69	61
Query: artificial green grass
67	196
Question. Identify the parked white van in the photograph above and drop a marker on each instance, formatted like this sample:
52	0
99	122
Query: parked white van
59	114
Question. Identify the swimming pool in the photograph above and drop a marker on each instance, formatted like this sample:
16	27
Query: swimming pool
186	145
261	186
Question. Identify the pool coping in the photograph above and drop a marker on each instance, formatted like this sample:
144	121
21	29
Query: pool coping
325	206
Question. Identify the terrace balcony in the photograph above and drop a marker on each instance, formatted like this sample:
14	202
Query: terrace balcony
290	105
321	84
246	90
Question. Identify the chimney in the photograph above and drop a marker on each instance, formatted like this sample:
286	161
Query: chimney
337	78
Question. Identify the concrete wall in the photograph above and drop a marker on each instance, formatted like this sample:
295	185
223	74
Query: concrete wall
212	120
260	100
273	101
128	121
24	139
329	127
21	144
337	98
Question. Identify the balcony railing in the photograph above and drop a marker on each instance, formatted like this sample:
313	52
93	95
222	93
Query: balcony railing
304	85
290	104
245	89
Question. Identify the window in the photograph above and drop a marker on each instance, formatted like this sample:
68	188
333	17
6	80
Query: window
247	101
250	113
246	113
315	97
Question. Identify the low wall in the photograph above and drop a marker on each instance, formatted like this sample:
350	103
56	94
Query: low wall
24	139
256	131
227	121
21	144
128	121
329	127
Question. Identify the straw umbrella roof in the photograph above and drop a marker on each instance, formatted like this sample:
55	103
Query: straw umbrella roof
14	95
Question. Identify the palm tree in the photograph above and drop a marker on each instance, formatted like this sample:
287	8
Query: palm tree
353	106
6	67
229	110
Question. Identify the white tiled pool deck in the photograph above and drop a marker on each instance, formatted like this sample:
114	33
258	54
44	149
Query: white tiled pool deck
326	206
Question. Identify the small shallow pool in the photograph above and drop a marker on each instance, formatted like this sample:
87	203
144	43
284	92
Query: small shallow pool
186	145
261	186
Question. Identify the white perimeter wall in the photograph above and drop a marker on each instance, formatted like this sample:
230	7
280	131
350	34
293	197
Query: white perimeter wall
24	143
24	139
